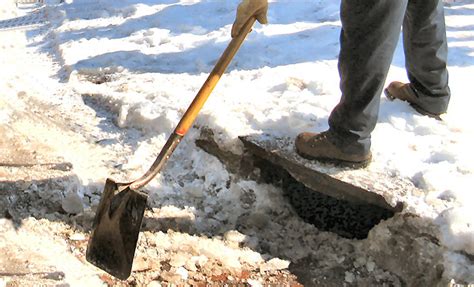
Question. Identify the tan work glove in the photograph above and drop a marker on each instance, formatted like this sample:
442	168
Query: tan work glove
248	9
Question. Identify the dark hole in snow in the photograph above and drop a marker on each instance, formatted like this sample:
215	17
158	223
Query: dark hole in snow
347	219
98	78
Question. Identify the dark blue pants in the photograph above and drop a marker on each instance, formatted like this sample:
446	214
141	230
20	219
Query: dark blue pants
369	35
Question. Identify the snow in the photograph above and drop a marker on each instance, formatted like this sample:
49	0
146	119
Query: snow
129	69
44	246
457	229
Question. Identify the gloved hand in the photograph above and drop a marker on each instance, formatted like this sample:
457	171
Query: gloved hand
248	9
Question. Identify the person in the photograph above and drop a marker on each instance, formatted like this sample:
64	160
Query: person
369	34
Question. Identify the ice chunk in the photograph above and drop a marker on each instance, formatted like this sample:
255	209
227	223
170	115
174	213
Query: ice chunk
72	203
349	277
457	229
274	264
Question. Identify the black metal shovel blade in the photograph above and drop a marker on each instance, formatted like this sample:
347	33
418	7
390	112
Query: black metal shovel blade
115	229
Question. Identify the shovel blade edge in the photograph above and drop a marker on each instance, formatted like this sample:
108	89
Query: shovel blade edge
115	230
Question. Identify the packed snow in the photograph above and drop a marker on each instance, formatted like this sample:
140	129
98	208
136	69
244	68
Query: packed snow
129	69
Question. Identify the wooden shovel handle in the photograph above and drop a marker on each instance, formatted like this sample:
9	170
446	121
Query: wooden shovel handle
191	113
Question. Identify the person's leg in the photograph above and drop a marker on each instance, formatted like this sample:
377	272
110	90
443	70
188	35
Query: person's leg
370	32
426	52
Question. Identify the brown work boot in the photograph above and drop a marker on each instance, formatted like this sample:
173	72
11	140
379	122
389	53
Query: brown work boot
404	92
317	146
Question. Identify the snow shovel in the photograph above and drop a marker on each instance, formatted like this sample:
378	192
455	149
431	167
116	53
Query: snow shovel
119	215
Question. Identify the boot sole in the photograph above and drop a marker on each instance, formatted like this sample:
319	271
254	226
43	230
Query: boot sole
339	162
413	105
